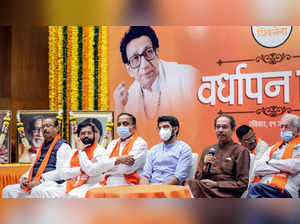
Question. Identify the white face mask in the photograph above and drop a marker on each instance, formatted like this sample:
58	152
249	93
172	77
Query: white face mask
123	132
286	135
165	134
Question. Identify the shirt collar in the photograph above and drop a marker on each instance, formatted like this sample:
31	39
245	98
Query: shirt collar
168	146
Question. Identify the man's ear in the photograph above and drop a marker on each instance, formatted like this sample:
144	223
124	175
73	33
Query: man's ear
129	70
157	51
175	130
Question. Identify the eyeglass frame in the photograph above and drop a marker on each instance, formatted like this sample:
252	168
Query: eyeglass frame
140	56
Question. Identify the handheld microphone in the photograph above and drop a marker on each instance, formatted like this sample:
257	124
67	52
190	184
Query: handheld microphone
212	152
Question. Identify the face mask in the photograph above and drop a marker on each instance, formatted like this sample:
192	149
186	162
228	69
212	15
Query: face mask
165	134
286	135
88	141
123	132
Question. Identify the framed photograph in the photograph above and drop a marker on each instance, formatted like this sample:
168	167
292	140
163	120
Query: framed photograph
29	132
5	144
102	120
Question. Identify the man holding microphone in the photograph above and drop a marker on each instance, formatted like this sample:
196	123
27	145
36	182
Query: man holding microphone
223	169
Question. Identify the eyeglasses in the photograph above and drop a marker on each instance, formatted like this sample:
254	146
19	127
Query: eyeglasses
285	126
135	60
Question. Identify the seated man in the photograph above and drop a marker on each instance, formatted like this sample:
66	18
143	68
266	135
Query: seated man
256	147
123	161
78	169
170	161
277	172
52	155
223	169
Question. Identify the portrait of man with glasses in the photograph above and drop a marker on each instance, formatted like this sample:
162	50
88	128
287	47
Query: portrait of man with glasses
159	86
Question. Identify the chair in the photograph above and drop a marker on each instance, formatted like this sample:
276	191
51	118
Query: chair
194	165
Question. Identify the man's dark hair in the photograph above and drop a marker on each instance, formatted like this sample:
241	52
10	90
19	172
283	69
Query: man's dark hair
231	119
97	123
242	130
172	120
83	125
32	123
54	119
133	119
136	32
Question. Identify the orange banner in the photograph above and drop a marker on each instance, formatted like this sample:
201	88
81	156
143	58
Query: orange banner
197	72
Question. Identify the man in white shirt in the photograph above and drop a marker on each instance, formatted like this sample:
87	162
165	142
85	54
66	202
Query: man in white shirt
278	171
78	170
129	152
123	161
51	156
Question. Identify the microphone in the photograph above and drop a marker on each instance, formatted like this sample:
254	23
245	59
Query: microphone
212	152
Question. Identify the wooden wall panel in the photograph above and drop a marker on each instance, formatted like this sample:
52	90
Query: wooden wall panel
5	47
23	70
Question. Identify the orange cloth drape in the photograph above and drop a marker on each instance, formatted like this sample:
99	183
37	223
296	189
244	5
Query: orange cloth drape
11	173
132	178
139	191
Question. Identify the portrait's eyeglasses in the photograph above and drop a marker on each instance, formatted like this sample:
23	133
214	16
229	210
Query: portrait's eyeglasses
135	60
36	130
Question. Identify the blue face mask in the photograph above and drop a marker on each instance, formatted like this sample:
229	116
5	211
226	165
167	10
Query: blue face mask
286	135
123	132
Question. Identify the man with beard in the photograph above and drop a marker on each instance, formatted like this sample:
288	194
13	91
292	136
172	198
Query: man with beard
35	137
78	170
124	159
51	156
170	161
223	169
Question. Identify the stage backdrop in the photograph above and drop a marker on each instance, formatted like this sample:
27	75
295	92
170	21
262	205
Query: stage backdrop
248	72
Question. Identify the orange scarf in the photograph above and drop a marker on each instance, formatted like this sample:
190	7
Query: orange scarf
132	178
43	164
83	178
280	181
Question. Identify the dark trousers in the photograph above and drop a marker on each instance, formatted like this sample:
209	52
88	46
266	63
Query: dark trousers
260	190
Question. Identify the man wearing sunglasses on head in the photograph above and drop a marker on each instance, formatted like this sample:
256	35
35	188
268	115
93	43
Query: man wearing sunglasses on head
159	86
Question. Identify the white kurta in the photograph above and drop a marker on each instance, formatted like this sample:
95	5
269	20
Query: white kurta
93	169
175	86
276	164
116	172
15	191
